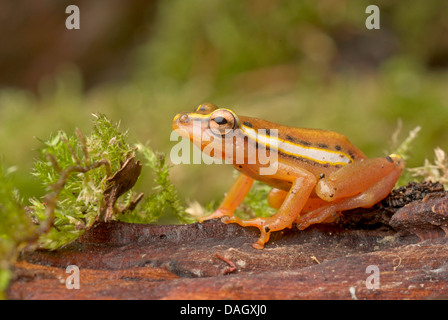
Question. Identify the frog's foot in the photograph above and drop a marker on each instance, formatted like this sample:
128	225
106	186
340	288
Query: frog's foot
316	216
216	214
261	223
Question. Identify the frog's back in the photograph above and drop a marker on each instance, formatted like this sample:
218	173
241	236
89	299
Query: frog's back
318	151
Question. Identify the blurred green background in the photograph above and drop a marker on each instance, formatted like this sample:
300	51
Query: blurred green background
298	63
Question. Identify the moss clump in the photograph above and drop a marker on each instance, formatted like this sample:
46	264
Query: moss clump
16	227
92	178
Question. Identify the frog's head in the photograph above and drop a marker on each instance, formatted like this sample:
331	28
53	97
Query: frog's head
209	127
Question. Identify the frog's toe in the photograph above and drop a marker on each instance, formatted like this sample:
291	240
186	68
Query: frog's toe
229	219
214	215
302	225
258	245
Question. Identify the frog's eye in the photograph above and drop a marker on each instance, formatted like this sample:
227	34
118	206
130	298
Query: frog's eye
222	122
206	108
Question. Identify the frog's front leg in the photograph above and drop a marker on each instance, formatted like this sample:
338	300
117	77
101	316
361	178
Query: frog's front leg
233	198
360	184
303	182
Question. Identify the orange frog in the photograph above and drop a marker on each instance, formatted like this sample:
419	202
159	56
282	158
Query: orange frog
317	174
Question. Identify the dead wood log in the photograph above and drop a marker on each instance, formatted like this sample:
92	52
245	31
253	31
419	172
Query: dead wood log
335	261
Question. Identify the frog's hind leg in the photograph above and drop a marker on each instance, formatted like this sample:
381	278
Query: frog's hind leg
276	197
372	179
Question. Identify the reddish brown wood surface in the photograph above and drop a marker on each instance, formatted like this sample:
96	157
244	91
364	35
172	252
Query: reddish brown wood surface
128	261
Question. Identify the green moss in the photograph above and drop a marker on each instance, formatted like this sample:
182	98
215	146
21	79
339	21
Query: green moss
164	195
16	226
79	196
256	204
76	171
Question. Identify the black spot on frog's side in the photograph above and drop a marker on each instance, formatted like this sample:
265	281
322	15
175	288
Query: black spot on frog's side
248	124
351	154
305	143
289	138
298	141
322	146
